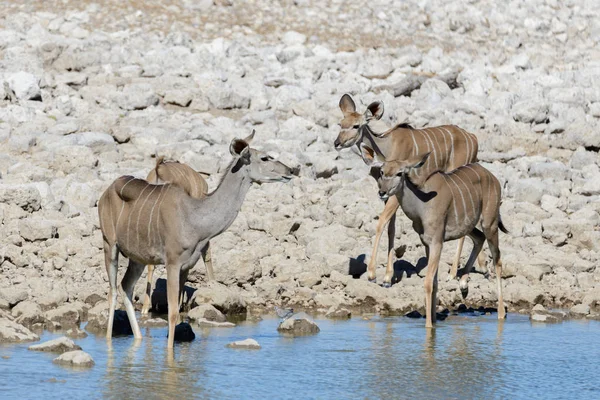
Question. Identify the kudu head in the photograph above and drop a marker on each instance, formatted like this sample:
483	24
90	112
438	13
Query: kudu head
393	172
353	122
260	167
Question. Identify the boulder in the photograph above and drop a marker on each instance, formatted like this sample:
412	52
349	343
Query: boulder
27	196
338	313
28	313
249	344
207	312
58	345
298	327
13	332
76	358
184	333
14	295
25	86
579	311
66	315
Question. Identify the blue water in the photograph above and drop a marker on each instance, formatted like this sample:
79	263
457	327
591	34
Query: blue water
392	358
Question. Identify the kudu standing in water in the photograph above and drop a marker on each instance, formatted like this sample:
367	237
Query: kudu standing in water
450	148
162	224
446	206
195	185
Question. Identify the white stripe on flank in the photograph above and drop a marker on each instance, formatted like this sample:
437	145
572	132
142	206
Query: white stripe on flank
452	162
416	145
137	225
158	215
123	187
433	148
152	212
481	185
131	212
469	189
461	195
469	139
445	152
468	155
453	199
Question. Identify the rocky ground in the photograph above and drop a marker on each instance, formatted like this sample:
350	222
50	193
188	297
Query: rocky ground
91	91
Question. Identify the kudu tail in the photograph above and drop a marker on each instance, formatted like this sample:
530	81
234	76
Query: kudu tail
159	160
501	225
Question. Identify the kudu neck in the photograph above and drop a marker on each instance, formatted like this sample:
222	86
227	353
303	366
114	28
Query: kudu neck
380	144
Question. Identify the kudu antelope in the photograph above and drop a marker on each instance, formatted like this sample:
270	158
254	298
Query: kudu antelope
194	185
450	147
162	224
446	206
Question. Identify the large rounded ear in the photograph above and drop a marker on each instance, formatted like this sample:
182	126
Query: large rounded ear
374	111
347	104
239	148
369	156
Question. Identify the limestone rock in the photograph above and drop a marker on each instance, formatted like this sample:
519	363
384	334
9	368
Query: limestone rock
76	358
25	86
207	312
249	344
13	332
298	327
58	345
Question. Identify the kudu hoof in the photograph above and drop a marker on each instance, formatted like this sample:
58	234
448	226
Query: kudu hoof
374	280
386	285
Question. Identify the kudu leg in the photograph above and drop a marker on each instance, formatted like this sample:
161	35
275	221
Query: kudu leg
456	261
389	210
183	275
433	262
207	257
478	238
389	271
173	272
492	239
111	261
148	295
132	275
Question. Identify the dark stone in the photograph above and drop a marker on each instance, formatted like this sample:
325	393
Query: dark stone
184	333
440	316
414	314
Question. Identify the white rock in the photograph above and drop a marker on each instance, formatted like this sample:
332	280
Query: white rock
25	85
76	358
249	344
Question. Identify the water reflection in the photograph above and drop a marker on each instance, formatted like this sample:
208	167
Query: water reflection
463	357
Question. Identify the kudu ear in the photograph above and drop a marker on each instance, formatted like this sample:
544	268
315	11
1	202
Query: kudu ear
347	104
374	111
240	148
370	157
